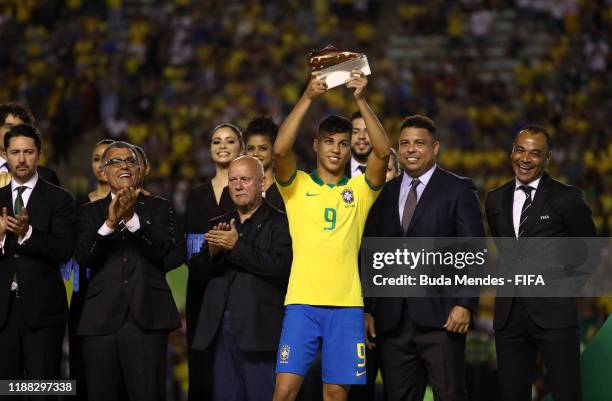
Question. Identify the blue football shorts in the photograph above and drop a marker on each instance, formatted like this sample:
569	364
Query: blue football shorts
337	332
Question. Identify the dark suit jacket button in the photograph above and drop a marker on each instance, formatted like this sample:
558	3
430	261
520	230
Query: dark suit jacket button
124	259
16	256
125	281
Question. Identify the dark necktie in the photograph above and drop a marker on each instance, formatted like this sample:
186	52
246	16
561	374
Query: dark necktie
19	200
524	211
18	208
410	205
361	168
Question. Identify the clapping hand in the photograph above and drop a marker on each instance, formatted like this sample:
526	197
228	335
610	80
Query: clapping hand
222	237
19	224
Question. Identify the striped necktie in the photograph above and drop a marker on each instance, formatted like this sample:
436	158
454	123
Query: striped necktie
524	211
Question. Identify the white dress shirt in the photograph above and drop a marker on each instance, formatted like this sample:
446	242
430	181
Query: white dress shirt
406	184
355	171
25	196
132	224
519	199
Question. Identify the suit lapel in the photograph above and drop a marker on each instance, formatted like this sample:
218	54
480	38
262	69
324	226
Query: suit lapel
540	198
102	207
394	187
507	229
36	201
7	199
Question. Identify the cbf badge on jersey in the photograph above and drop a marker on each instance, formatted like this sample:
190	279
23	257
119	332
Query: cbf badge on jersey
348	197
284	354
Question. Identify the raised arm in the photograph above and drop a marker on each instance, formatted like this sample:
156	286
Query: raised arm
379	158
284	159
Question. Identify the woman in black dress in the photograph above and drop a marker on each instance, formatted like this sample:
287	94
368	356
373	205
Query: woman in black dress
102	188
259	138
204	202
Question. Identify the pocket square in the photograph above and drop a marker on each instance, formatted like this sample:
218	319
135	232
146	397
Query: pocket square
544	217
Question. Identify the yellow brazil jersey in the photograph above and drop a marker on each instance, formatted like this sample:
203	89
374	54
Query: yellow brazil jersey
326	223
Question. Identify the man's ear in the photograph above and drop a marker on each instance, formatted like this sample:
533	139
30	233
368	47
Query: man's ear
315	144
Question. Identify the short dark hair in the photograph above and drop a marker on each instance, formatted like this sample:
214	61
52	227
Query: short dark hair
27	130
118	145
357	115
18	110
535	129
334	125
231	126
420	121
141	153
261	126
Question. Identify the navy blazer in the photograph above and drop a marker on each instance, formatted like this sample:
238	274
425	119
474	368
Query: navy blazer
448	207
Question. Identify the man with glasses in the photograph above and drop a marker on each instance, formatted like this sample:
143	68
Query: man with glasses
128	309
12	114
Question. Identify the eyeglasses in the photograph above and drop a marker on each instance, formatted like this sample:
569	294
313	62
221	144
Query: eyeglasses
117	162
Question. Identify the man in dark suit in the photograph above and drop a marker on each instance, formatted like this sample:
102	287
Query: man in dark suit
247	257
36	235
422	340
128	309
524	325
16	113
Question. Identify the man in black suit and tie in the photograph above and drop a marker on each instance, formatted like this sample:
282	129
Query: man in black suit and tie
422	340
128	309
16	113
524	325
247	259
36	235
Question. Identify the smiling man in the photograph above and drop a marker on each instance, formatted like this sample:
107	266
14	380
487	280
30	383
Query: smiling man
246	258
327	214
36	234
525	325
128	309
422	340
360	147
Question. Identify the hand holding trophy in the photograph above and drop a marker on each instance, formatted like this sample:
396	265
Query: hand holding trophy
335	67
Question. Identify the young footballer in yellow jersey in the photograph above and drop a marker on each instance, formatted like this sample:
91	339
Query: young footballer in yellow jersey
327	214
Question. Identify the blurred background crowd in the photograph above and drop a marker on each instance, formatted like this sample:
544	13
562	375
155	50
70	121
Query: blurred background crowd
162	74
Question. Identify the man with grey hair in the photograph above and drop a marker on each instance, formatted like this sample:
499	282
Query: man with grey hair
128	308
247	258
